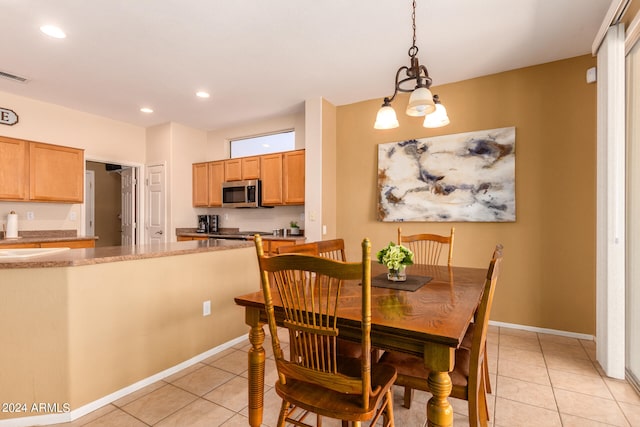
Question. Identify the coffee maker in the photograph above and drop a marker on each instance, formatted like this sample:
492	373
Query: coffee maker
207	224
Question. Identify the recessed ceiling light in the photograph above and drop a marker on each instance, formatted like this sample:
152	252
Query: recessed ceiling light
53	31
146	110
202	94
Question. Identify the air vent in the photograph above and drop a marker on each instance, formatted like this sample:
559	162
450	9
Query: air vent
13	77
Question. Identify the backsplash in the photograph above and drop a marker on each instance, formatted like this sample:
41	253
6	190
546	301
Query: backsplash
259	219
43	216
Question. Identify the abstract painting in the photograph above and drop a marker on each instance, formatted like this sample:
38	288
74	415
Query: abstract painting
465	177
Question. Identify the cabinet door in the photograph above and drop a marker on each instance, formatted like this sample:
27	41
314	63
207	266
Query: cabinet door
216	178
14	169
251	167
293	167
233	170
200	182
56	173
271	171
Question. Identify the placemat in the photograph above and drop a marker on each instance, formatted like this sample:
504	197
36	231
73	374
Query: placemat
412	284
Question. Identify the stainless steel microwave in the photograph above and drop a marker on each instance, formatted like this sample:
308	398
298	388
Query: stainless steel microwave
242	194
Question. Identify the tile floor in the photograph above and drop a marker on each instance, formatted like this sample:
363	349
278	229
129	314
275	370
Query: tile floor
537	379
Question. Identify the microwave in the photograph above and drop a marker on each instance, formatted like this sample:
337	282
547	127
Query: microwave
242	194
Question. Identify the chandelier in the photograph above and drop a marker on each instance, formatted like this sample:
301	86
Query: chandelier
421	102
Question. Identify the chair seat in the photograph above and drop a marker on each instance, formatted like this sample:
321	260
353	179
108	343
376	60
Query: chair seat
412	372
333	404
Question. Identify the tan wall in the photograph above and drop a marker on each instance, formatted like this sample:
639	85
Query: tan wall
73	329
548	279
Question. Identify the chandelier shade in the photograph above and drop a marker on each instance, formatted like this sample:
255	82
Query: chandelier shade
422	103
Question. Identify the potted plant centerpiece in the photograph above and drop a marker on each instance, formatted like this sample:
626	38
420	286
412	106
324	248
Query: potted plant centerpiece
395	258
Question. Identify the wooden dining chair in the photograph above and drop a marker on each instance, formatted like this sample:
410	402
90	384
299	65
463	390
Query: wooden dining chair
314	379
332	249
467	377
428	248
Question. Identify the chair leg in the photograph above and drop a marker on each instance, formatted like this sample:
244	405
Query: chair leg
408	397
284	409
482	399
388	412
485	369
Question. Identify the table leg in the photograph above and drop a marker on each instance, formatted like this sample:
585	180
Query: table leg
440	361
256	367
439	410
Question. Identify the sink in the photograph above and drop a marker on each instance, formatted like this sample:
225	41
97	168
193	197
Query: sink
28	252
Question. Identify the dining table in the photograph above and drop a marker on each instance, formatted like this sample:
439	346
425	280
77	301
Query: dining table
426	316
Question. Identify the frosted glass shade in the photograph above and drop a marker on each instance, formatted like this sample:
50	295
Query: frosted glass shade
420	102
386	118
438	118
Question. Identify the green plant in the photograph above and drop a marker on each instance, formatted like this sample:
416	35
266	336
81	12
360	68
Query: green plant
293	224
393	256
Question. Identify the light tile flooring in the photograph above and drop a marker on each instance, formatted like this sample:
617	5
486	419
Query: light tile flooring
537	379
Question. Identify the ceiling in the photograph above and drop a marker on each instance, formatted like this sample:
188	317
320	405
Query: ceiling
260	58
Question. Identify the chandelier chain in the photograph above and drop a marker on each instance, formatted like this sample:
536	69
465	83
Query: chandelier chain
413	20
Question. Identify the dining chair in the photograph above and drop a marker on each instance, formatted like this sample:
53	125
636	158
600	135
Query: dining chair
467	377
428	248
315	379
332	249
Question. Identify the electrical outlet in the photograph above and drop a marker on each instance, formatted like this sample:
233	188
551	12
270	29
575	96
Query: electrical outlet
206	308
30	216
72	216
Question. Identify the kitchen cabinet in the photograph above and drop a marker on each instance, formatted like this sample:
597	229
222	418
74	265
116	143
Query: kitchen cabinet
242	168
271	245
38	172
216	178
56	173
207	179
283	178
271	169
200	184
14	169
187	238
293	176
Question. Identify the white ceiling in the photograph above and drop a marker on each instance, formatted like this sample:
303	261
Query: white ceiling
262	58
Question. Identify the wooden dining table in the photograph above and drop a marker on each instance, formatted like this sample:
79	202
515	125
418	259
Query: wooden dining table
429	322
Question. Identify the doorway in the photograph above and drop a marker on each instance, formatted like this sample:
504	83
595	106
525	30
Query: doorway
108	197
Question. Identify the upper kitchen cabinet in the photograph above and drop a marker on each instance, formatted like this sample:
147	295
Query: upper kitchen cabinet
293	177
207	183
216	178
283	178
14	169
242	168
56	173
271	169
33	171
200	184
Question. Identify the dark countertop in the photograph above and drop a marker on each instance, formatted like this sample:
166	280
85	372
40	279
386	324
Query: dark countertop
90	256
190	232
39	236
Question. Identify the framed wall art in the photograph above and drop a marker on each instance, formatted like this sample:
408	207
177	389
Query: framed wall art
465	177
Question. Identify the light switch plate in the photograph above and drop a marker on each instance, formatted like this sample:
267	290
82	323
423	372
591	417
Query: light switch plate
206	308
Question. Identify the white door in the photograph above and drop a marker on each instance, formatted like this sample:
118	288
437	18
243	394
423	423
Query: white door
156	205
128	207
89	203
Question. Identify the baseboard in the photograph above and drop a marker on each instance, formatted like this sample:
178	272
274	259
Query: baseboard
633	380
586	337
41	420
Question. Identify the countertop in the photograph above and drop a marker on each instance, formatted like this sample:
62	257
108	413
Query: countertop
190	232
39	236
78	257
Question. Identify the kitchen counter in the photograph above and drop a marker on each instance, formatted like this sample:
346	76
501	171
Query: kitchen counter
77	257
190	232
43	236
138	313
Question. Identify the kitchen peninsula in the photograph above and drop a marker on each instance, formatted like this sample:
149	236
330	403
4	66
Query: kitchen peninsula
88	326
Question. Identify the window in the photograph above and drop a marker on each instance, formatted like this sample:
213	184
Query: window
264	144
